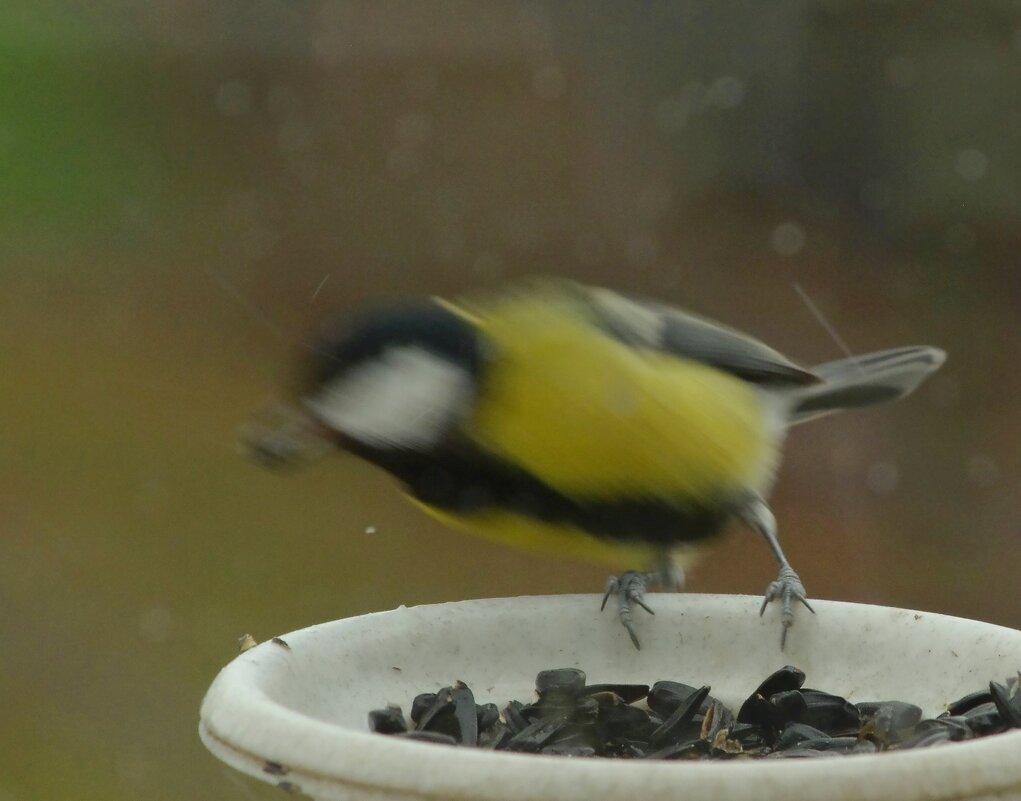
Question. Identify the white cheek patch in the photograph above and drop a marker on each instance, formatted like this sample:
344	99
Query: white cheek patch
407	397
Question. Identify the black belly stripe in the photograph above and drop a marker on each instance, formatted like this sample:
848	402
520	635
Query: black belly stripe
465	480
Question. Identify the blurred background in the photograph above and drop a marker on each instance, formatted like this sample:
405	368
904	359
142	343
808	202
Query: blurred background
188	186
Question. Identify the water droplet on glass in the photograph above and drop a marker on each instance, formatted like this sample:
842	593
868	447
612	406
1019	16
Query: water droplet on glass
788	239
156	624
882	477
971	164
726	91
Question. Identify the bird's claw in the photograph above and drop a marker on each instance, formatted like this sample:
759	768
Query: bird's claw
629	587
787	589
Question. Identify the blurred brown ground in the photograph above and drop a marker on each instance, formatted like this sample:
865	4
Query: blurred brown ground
190	186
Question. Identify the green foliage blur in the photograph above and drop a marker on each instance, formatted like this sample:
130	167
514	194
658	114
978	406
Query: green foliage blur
187	187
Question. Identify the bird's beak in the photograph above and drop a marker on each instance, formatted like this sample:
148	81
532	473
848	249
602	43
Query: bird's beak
282	435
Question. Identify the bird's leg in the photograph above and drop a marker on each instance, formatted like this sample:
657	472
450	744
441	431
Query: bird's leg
787	587
631	586
669	575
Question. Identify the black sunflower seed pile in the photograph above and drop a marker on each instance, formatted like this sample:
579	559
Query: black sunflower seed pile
670	720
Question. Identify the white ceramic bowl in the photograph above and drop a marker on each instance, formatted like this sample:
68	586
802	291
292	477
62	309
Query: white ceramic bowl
304	707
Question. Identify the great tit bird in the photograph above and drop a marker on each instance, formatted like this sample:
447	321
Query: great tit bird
574	420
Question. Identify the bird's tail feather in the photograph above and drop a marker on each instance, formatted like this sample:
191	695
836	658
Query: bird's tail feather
865	380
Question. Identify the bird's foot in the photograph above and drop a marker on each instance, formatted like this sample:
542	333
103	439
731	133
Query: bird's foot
629	587
787	589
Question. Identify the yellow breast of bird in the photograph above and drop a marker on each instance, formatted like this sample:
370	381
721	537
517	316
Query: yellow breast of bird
594	417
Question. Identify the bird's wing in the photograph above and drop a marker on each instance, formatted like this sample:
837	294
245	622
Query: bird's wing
668	330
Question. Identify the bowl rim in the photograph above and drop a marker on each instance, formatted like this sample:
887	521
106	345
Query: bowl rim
239	722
